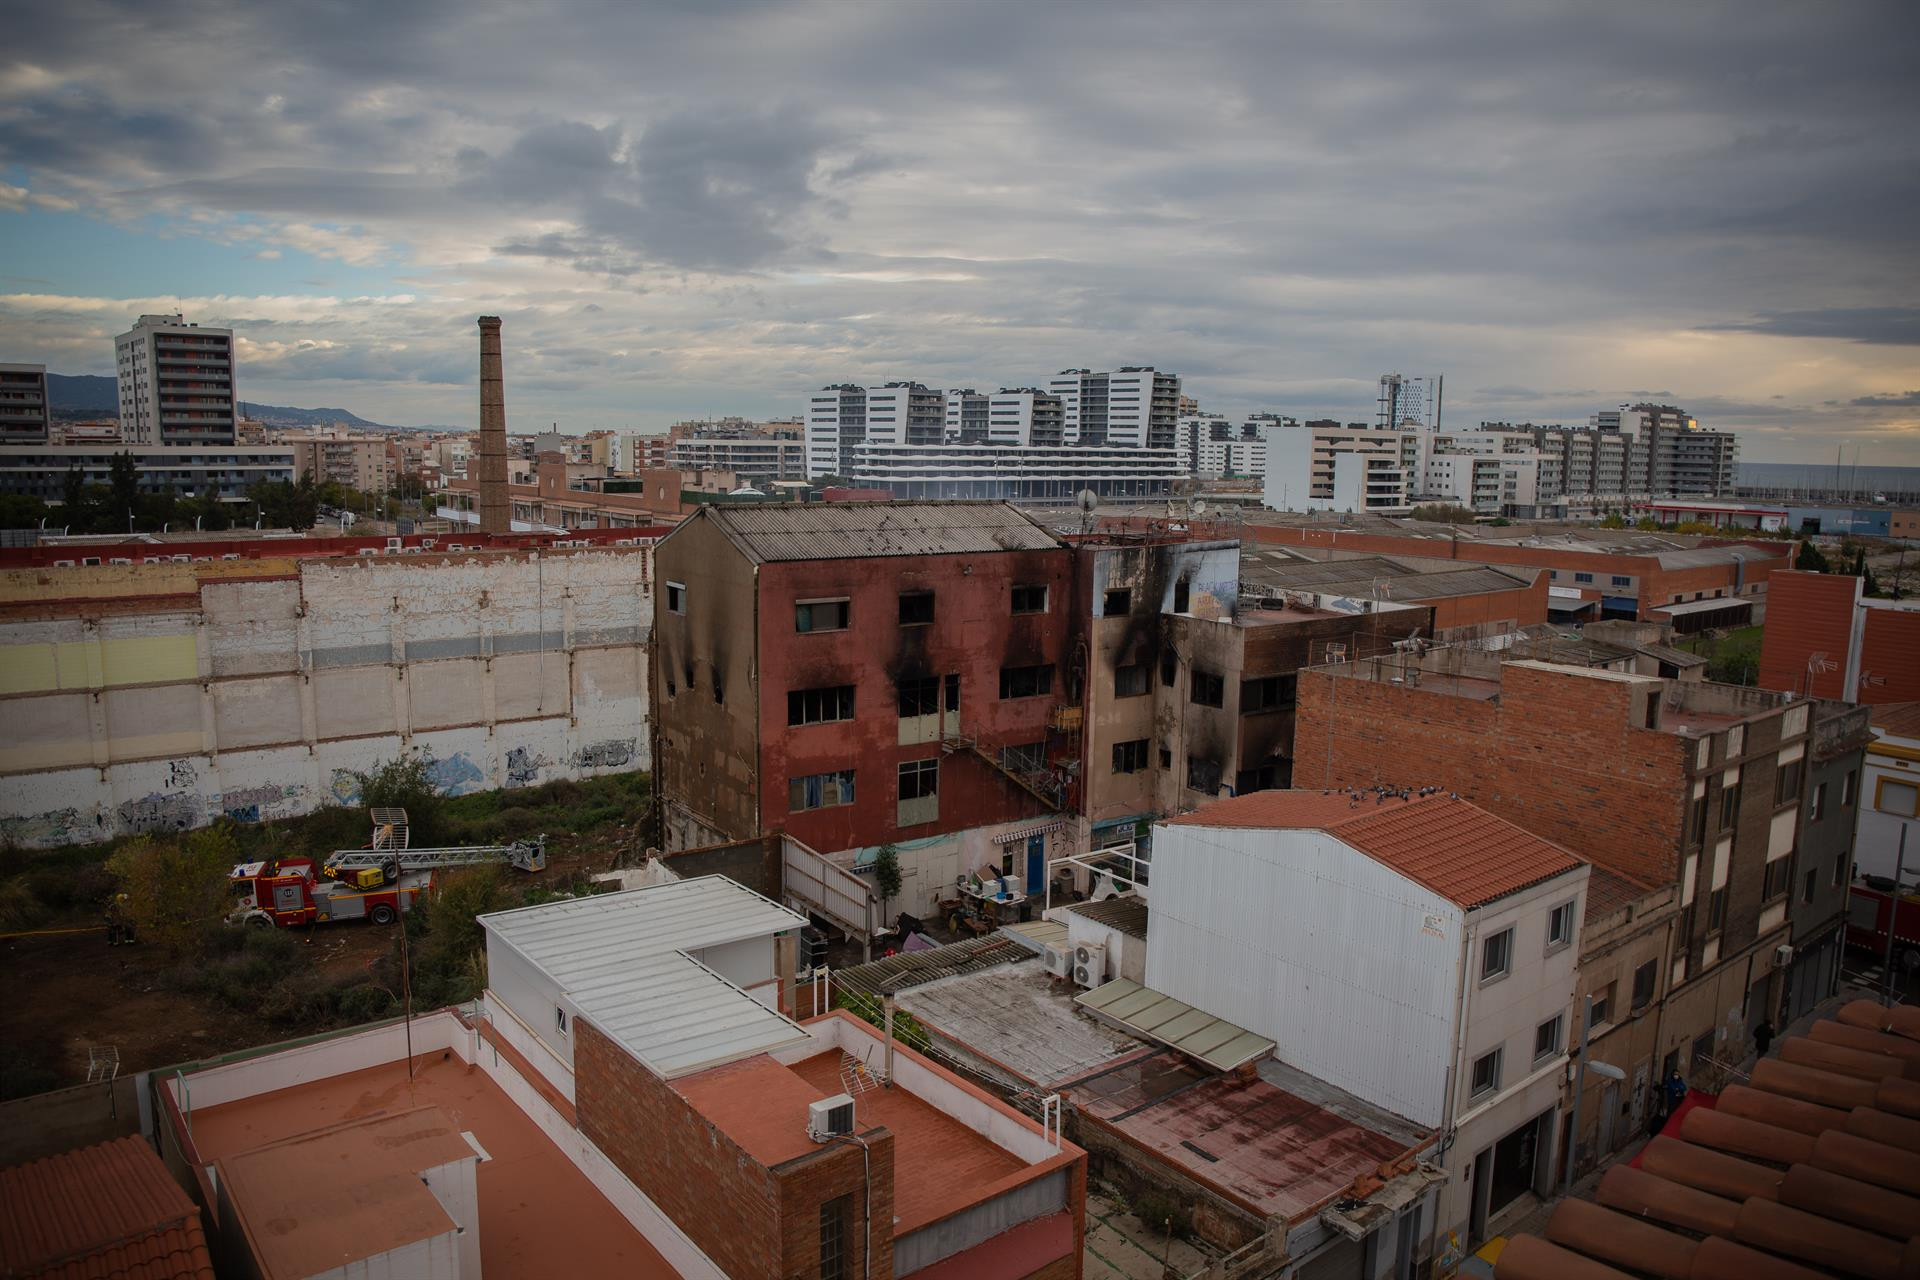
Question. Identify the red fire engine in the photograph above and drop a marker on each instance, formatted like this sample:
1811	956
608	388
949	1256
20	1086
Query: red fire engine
1871	910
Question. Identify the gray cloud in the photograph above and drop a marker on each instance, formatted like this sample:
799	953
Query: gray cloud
734	202
1897	400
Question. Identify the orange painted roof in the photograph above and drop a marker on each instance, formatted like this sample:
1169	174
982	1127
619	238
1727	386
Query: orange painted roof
757	1102
106	1210
1451	846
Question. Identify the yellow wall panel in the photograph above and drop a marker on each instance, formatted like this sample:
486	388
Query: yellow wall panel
149	659
27	668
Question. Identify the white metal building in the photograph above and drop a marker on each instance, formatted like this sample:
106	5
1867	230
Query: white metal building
1417	952
683	975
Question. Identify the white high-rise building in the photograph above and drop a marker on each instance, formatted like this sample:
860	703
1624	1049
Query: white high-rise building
966	417
1213	446
1135	406
1328	467
1026	416
840	418
176	383
1410	401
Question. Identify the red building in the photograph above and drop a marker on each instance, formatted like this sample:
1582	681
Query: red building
1825	639
859	674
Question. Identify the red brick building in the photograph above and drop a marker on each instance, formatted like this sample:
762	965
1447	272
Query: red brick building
1825	639
857	674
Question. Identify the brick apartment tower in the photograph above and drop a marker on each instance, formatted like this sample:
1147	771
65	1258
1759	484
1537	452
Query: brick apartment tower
496	512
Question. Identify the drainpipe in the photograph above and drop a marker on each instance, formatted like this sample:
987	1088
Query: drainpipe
1453	1069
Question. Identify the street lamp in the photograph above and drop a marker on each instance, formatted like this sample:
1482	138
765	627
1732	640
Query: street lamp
1605	1070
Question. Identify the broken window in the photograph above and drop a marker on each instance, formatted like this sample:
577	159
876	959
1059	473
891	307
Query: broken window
1030	599
676	597
1026	682
916	608
822	615
1118	601
820	790
1130	757
1182	597
1203	774
1131	681
1209	690
921	696
819	706
1267	693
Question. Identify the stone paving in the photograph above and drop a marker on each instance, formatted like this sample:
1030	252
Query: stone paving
1121	1247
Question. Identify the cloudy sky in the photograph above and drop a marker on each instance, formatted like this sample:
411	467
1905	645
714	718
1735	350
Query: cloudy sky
708	206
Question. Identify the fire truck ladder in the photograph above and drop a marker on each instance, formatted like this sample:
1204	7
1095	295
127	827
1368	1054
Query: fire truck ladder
524	855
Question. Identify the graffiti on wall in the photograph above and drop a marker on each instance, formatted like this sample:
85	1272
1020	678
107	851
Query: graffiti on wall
55	827
612	754
158	811
251	804
456	775
524	766
344	787
181	774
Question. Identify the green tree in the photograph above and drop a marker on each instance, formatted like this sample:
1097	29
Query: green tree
175	888
886	875
1811	560
445	939
123	486
406	782
1614	520
18	511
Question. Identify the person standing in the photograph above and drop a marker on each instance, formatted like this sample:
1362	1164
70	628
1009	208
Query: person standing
1762	1038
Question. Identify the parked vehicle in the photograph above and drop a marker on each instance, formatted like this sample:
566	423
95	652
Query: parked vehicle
1871	909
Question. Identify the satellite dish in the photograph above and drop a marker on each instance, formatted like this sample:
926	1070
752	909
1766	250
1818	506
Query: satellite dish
1088	499
1199	507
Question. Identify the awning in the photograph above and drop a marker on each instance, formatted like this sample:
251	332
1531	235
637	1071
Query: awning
1153	1015
1569	593
1021	834
1702	606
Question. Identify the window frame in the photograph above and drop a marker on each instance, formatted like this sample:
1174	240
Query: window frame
1142	680
916	597
1651	969
676	598
836	1221
846	615
1717	911
1566	939
1262	694
1558	1022
1123	753
1110	607
844	788
1218	684
1776	878
1014	606
1505	938
1880	787
919	771
1042	680
1817	802
1493	1057
842	696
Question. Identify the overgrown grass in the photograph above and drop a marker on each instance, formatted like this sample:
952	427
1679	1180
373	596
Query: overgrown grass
1732	657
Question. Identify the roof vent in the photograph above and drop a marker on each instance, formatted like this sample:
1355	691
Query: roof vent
830	1117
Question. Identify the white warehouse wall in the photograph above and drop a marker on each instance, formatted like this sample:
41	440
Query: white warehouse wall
162	697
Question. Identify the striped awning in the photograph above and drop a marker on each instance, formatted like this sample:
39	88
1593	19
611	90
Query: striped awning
1020	834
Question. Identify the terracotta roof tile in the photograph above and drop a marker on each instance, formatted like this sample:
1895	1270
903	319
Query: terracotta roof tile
106	1210
1450	845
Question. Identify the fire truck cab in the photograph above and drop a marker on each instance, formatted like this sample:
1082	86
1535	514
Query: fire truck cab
290	891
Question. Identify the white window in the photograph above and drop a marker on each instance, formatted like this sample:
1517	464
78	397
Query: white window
560	1019
1560	926
1496	956
1546	1039
1895	796
1486	1074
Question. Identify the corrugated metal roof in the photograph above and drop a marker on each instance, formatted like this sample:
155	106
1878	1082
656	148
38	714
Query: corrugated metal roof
775	531
1702	606
1450	845
1127	913
1363	577
911	969
106	1210
1158	1017
621	957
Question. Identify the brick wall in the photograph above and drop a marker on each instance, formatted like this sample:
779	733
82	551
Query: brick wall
755	863
810	1181
1558	754
726	1203
1890	657
1807	613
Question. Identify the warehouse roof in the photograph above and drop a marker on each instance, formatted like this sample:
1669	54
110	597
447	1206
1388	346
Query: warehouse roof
1451	846
1393	579
105	1210
622	958
774	531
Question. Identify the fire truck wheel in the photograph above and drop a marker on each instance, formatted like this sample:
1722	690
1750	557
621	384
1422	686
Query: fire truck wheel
382	914
260	922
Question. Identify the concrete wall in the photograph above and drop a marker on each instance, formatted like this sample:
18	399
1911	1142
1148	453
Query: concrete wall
159	705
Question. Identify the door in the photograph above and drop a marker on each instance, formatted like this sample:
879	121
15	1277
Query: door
1609	1114
1036	864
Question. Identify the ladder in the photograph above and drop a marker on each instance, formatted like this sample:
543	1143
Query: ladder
523	855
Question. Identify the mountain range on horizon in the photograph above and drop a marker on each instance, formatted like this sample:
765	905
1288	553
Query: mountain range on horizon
90	395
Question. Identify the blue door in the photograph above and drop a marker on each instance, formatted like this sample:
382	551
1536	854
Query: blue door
1037	865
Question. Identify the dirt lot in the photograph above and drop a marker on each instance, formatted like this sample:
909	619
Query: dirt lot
68	992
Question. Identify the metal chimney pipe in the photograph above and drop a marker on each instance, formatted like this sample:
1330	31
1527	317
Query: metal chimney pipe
496	510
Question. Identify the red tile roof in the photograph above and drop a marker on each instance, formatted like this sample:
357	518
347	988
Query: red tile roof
1901	719
107	1210
1451	846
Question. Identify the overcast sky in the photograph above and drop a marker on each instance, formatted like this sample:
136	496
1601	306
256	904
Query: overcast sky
714	206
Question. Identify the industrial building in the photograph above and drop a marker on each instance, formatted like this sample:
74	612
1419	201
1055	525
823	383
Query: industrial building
860	674
1826	638
226	473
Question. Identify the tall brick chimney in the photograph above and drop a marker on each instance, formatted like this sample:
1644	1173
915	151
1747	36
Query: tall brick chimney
496	510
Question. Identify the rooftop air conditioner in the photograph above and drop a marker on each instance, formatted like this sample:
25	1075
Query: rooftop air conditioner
1783	955
1059	961
1089	964
830	1117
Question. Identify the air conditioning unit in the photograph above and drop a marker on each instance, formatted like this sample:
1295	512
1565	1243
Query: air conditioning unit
830	1117
1060	961
1089	964
1783	955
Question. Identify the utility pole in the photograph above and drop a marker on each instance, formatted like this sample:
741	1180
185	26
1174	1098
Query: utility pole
1606	1069
1893	908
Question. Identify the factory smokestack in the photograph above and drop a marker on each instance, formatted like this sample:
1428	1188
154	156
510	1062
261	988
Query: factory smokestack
496	510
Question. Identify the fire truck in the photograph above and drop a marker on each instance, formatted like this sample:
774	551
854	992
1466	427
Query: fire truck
374	883
1872	908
